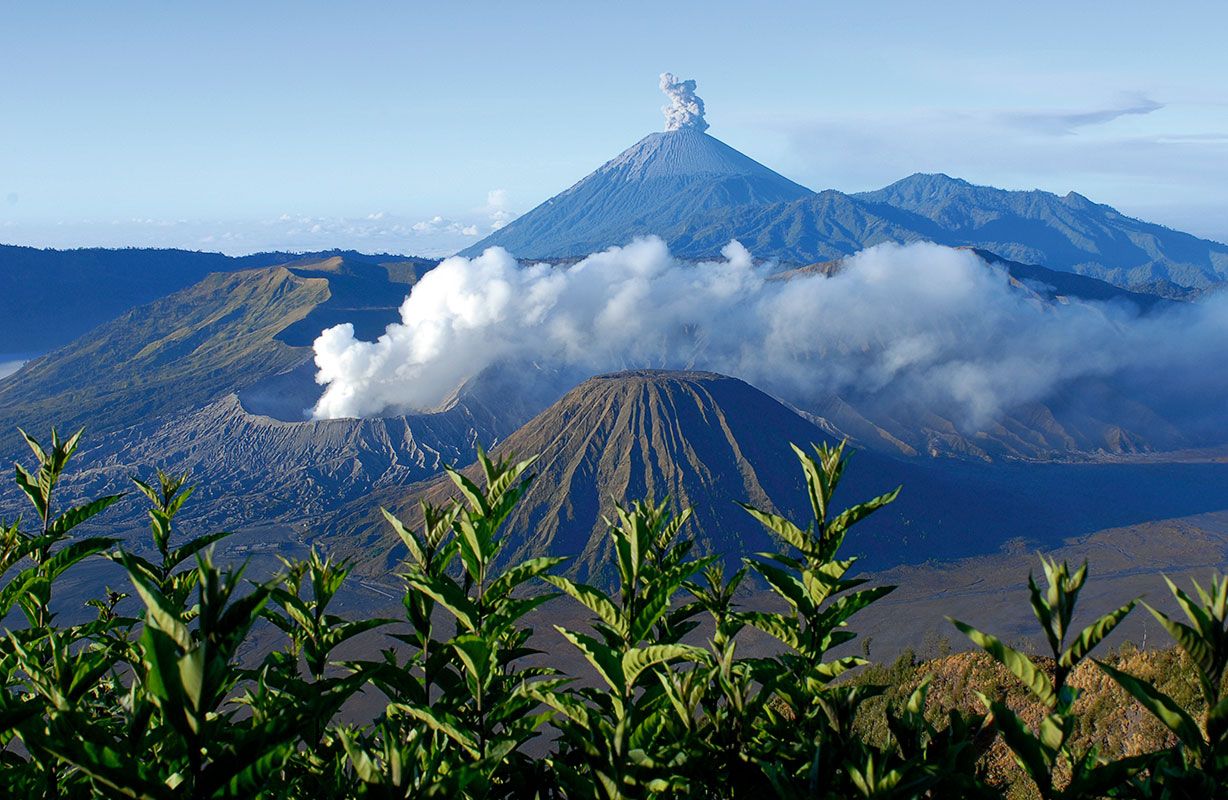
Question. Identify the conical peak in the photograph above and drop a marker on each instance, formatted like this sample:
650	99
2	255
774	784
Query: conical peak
601	396
686	152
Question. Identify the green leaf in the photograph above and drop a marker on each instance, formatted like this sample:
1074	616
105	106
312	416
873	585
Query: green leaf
407	536
342	631
75	516
1217	721
448	594
1044	614
775	625
17	588
851	516
437	721
787	586
591	598
520	573
1192	642
161	614
786	530
635	661
478	657
34	446
1102	779
186	551
603	658
1093	635
1053	732
1027	750
29	484
1021	666
74	552
365	767
843	608
11	718
192	676
108	767
470	490
248	771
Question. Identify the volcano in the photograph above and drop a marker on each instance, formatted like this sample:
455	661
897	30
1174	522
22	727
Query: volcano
698	193
658	186
705	441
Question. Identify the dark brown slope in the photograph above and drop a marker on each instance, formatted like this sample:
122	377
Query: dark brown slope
702	439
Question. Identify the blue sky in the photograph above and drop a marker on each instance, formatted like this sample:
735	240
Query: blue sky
414	128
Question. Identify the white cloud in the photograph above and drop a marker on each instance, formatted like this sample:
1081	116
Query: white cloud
497	210
1064	123
904	330
440	224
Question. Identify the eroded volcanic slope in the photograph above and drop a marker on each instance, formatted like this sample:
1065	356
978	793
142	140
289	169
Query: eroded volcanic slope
704	440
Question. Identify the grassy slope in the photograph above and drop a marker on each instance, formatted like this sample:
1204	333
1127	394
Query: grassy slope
1108	718
177	352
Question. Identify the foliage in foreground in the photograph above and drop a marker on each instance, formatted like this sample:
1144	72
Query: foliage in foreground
167	704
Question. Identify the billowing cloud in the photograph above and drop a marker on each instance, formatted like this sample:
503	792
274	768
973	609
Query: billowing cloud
908	330
685	109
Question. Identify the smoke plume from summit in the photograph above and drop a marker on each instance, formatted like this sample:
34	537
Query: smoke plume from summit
906	330
685	109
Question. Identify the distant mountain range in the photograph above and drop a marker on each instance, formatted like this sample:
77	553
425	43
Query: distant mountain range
237	345
694	191
698	193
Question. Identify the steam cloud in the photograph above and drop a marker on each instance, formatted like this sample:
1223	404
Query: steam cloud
908	330
685	109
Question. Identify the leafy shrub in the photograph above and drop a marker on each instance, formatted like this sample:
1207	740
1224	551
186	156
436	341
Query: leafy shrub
165	705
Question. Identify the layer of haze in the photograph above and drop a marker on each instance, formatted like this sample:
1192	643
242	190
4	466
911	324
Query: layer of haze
241	126
906	330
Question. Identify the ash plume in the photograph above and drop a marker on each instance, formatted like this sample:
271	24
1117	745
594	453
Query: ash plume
685	109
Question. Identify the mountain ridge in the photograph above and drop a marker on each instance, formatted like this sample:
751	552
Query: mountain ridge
697	194
228	332
49	297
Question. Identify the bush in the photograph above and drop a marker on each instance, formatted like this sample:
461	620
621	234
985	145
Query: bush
163	705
